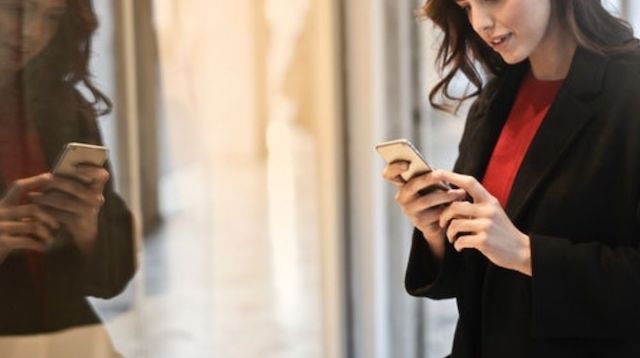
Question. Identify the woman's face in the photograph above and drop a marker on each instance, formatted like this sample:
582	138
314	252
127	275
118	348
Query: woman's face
26	28
513	28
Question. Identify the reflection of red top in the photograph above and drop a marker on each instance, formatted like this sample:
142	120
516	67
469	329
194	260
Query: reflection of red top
21	156
529	110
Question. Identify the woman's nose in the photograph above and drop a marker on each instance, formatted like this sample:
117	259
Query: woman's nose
481	20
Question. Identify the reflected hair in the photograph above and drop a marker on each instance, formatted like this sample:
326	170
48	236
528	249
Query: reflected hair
64	63
461	49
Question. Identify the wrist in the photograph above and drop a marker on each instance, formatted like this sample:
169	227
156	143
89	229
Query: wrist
525	260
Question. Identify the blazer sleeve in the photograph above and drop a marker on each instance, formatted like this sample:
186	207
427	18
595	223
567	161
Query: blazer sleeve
112	263
106	272
585	289
424	276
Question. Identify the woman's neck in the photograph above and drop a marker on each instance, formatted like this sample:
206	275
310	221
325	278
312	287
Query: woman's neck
552	58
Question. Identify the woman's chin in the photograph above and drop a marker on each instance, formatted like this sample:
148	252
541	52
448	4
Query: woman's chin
512	59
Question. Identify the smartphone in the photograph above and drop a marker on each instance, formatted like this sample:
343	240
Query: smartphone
403	150
74	154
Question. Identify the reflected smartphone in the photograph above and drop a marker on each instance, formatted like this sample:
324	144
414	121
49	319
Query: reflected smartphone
74	154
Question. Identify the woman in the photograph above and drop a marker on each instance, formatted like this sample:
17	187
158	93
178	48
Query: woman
61	238
539	242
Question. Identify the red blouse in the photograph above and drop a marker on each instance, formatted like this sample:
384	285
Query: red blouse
529	110
22	156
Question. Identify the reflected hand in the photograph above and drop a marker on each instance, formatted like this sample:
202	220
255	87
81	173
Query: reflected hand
76	203
483	225
423	210
23	225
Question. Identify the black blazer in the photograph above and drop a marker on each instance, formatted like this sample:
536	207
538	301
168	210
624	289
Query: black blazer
577	196
69	276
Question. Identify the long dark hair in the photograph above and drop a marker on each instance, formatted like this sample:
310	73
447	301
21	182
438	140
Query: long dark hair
461	49
64	63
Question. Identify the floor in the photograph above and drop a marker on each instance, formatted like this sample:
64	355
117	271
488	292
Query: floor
208	286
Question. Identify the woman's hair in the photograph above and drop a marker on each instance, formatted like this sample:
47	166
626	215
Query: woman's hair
461	49
64	63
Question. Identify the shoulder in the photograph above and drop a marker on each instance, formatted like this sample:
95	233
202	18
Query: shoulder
623	73
77	114
619	98
628	62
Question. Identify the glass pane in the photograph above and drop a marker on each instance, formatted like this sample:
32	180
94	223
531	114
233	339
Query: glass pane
65	233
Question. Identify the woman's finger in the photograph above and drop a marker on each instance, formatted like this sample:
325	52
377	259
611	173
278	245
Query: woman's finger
434	199
427	218
466	182
93	175
17	242
393	171
460	209
415	187
72	190
465	227
63	202
421	182
66	217
33	229
19	188
71	187
28	212
470	242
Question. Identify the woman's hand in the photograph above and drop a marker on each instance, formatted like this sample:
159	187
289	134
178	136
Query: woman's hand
424	210
483	225
76	203
25	226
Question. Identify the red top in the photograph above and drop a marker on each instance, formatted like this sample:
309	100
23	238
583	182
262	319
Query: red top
22	156
529	110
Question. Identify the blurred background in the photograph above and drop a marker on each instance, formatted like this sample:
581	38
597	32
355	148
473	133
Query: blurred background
242	139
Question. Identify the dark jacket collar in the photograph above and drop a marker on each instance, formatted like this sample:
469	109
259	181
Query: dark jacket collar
567	116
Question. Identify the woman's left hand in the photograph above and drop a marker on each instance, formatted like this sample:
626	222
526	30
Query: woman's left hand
484	225
76	203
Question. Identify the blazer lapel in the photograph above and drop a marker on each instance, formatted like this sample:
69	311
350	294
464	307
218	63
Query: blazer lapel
568	115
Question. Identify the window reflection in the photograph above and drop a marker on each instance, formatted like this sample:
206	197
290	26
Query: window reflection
63	237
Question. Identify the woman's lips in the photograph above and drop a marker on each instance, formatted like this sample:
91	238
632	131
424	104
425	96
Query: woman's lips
500	42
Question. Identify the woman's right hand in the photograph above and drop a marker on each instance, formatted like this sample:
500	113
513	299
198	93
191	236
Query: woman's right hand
24	225
423	210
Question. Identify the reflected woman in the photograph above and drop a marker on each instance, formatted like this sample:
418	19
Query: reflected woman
539	241
61	238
